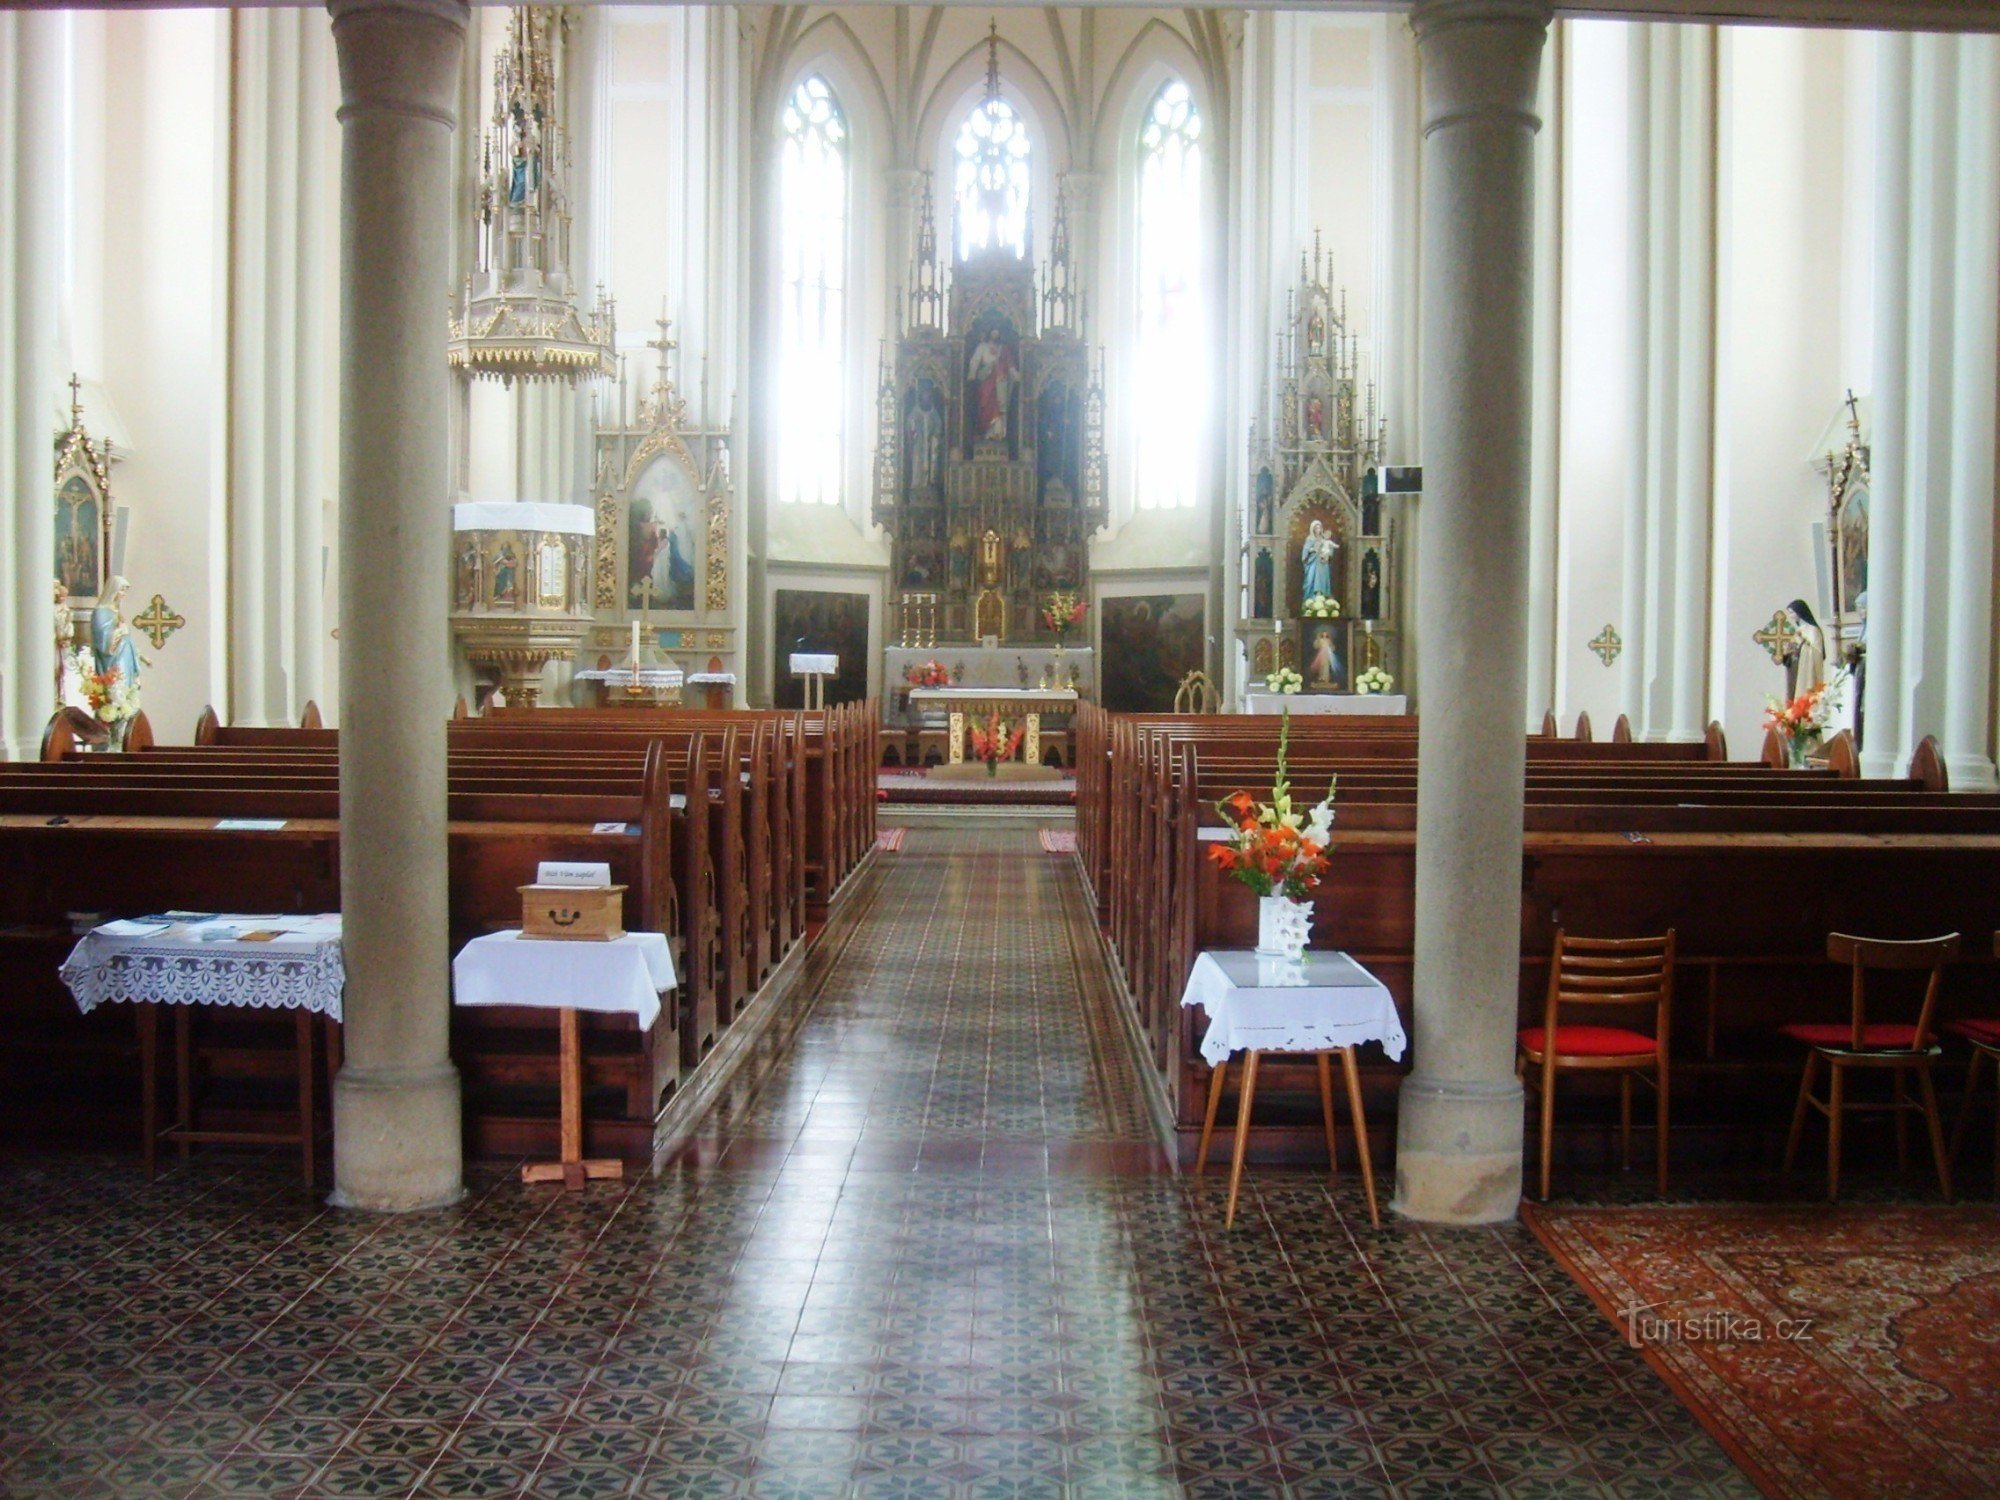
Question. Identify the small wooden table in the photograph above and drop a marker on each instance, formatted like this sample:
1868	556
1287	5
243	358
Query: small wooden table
184	960
624	975
1323	1003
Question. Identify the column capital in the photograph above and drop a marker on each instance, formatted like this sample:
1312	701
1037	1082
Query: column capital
400	56
1481	59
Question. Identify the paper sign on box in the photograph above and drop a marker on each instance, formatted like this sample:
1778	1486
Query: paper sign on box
560	872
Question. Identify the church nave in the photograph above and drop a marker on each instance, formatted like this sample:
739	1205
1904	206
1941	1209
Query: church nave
932	1253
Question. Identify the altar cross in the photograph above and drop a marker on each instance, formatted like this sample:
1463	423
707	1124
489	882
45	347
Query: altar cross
159	621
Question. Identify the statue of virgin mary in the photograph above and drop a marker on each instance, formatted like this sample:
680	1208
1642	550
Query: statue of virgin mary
1317	558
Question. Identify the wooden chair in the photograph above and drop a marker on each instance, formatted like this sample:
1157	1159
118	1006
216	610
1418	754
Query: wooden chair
1859	1043
1597	974
1984	1035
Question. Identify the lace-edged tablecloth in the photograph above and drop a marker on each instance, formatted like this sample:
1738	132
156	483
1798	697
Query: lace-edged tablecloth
211	961
1322	1001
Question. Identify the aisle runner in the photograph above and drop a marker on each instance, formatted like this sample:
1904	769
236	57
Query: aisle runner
890	840
1059	841
1833	1351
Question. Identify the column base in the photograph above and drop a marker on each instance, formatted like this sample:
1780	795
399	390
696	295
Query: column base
1458	1150
397	1140
1971	772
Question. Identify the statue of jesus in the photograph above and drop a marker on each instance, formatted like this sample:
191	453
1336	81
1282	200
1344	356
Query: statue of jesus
990	374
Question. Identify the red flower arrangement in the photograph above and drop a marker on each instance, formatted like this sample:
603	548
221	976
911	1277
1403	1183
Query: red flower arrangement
1276	850
1063	612
995	741
930	674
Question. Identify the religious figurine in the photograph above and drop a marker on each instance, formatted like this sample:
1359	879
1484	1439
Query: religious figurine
1315	333
1315	417
989	380
1805	662
1371	585
1267	488
111	638
989	560
471	569
924	435
506	569
1260	594
579	585
1317	558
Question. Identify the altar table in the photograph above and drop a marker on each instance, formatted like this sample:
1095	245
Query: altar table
1028	704
624	975
1326	703
1321	1003
186	959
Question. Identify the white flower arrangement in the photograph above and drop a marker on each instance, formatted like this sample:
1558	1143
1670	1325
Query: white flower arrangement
1321	607
1284	680
1374	680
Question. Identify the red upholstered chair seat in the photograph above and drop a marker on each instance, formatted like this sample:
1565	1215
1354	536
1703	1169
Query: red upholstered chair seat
1985	1031
1591	1041
1881	1036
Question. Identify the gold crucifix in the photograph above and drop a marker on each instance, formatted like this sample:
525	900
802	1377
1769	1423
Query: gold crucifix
159	621
1779	637
1608	644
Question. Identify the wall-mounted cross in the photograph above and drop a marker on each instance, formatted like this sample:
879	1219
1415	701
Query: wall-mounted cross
159	621
1778	637
1608	644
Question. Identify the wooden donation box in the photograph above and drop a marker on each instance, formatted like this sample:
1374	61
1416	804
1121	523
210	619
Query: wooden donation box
593	913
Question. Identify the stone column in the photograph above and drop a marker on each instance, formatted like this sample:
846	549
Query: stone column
35	374
1930	555
396	1109
1669	491
1458	1155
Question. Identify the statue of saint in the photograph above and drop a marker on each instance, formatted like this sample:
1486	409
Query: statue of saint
111	638
1805	663
1317	558
925	435
1371	585
989	379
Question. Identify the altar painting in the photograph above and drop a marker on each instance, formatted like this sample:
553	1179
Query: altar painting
1326	655
663	522
992	384
1149	642
817	620
79	538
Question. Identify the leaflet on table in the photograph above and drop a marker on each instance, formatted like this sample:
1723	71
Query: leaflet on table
250	825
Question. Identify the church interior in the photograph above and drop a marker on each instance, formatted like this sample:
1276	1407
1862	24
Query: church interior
945	750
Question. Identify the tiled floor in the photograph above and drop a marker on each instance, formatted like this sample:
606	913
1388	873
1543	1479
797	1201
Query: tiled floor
932	1256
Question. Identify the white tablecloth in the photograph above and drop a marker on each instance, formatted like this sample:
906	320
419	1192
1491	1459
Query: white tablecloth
805	663
626	974
1277	1005
523	515
1326	703
621	677
196	959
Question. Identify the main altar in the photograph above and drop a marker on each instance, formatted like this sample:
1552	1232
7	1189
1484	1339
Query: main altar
989	471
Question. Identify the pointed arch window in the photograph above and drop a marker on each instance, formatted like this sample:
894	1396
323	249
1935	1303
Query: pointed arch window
1170	394
991	163
812	322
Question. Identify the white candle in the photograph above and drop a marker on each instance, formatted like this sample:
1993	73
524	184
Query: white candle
635	643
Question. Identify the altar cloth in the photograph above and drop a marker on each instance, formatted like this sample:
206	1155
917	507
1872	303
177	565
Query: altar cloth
624	975
1315	1004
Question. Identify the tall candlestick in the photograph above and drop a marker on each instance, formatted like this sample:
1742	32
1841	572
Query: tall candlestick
635	646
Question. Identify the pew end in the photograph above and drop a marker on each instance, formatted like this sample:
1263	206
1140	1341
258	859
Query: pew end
69	730
1715	743
1927	766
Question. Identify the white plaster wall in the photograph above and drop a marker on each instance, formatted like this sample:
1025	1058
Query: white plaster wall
161	208
1781	363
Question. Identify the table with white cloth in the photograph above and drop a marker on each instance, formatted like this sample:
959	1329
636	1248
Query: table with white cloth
622	975
1030	703
649	687
191	959
1300	704
1321	1003
815	667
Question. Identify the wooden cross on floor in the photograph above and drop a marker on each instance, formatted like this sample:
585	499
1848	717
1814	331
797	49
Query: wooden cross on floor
1607	645
1780	637
159	621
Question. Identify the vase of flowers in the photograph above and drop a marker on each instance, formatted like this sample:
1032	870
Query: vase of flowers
113	702
930	674
1284	680
1374	680
1279	852
1321	607
1801	724
995	741
1062	612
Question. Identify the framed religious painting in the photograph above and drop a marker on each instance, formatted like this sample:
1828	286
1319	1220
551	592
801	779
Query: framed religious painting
83	517
1326	655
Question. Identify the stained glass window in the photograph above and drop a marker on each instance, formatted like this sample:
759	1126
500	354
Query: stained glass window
1170	385
991	160
812	251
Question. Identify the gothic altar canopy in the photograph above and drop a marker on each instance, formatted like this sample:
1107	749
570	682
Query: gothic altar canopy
1320	584
990	444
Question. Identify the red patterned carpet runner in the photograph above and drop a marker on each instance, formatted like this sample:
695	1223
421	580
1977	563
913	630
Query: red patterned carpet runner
1834	1351
1058	840
890	840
